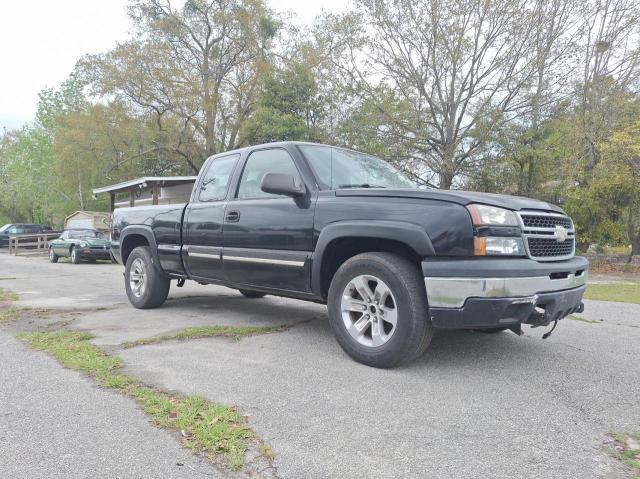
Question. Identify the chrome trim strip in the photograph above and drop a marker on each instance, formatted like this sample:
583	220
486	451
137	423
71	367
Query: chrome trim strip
453	292
193	254
246	259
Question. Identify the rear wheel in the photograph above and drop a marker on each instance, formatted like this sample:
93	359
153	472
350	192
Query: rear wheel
147	287
251	294
378	310
75	256
53	257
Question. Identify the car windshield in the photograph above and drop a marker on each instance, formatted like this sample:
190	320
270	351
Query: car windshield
81	234
338	168
4	228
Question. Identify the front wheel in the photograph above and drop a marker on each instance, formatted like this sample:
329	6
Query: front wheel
147	287
53	257
75	256
378	310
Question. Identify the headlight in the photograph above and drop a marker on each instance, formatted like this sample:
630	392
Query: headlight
83	244
496	231
483	215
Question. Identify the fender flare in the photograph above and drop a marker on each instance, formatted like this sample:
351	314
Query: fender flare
147	233
408	233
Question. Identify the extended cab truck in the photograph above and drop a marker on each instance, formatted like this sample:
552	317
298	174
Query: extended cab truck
392	262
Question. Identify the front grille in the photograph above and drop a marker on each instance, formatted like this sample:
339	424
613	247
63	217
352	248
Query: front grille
545	221
549	247
547	236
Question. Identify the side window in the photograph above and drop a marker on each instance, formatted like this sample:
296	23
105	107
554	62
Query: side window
259	164
216	180
13	230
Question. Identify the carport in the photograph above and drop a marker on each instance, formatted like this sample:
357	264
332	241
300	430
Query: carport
153	190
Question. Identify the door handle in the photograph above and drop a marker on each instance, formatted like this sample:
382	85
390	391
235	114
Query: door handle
232	216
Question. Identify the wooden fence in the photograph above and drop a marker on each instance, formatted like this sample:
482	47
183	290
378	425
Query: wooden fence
31	244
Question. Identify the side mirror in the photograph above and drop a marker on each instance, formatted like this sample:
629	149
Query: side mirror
281	184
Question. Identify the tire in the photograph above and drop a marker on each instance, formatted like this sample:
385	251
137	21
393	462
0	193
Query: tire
252	294
53	257
75	256
386	275
147	287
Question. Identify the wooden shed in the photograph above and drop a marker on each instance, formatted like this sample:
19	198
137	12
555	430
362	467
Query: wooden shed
96	220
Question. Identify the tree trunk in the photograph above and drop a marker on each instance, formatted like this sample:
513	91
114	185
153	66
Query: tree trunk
633	231
446	180
80	194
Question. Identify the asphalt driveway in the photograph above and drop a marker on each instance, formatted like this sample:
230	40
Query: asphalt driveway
474	406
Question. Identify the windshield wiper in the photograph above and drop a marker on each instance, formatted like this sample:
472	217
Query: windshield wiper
361	185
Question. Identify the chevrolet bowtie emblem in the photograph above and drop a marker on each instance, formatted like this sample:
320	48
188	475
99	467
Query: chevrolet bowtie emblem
560	234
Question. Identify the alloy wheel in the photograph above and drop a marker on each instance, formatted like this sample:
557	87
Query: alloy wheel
369	310
138	277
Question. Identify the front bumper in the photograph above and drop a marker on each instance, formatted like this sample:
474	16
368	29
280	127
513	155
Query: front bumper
489	293
95	253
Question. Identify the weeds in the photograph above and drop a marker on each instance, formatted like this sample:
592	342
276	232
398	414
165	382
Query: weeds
233	332
212	429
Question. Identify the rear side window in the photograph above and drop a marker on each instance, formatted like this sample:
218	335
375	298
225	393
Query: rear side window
259	164
216	180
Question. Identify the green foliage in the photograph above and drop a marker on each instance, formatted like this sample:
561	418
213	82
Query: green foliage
290	107
497	106
617	292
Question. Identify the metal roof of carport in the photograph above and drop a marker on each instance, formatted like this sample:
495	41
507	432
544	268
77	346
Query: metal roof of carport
145	181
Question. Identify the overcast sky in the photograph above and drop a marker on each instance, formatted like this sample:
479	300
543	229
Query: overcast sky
41	40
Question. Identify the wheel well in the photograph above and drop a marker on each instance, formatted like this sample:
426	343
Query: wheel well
131	242
341	249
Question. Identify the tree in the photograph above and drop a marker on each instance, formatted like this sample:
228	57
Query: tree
610	66
198	66
456	63
291	105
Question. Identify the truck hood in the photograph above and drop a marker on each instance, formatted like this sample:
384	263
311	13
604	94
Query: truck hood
455	196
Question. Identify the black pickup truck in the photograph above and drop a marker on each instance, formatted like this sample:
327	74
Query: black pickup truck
391	261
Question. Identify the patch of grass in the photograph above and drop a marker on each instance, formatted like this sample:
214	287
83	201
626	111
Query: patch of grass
626	448
590	321
10	314
17	314
234	332
216	430
6	295
617	292
266	451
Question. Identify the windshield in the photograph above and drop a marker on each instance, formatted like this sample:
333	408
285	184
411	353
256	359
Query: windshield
4	228
81	234
338	168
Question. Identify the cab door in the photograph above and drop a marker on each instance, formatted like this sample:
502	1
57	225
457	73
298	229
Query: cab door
203	220
267	237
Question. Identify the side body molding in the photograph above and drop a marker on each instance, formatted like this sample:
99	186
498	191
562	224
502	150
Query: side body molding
410	234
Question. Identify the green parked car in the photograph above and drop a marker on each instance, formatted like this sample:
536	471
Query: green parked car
79	244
